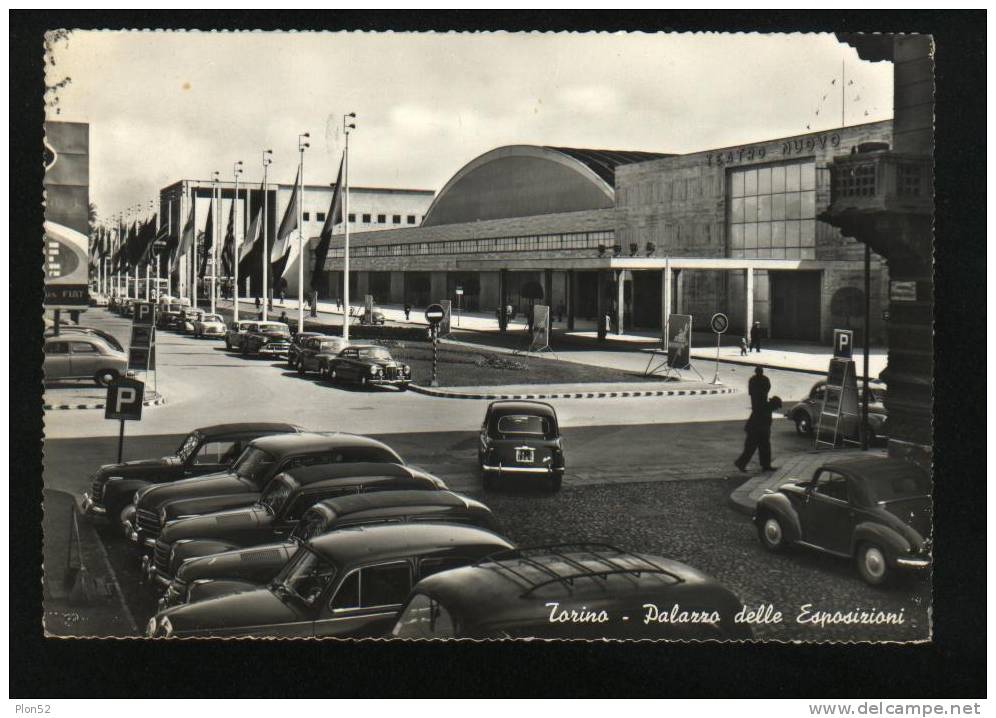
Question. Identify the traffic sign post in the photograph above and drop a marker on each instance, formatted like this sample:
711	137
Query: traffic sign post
459	295
434	315
124	403
719	323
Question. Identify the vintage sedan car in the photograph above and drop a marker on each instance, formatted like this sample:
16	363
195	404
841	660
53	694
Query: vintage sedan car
874	510
189	319
168	313
81	356
209	325
376	317
297	341
261	460
583	591
349	584
109	338
98	300
199	565
806	413
317	352
367	365
206	450
270	339
521	438
236	333
276	512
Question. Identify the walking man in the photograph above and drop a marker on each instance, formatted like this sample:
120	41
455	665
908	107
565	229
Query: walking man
758	438
758	388
408	311
743	346
755	337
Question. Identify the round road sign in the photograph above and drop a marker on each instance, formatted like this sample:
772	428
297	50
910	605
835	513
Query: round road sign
434	314
719	323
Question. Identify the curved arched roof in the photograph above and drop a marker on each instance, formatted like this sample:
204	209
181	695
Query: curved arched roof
530	180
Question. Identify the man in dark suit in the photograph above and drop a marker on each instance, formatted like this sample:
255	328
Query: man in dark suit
758	438
758	388
755	337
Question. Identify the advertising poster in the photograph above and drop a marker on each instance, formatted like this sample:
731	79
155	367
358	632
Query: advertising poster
67	202
679	341
540	338
444	324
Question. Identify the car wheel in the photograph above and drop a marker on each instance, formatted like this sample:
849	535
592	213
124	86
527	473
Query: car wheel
245	350
300	367
803	426
105	376
772	533
228	344
873	566
555	482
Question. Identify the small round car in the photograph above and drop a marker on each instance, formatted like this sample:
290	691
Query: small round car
521	439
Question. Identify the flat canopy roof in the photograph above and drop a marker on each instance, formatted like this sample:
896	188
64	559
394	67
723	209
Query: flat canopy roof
642	263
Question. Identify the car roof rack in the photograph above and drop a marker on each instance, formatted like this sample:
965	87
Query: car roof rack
596	551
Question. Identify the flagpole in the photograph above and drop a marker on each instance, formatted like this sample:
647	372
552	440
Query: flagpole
169	233
346	126
215	211
301	146
265	253
148	264
236	249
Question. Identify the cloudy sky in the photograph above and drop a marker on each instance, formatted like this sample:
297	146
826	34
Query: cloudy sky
169	105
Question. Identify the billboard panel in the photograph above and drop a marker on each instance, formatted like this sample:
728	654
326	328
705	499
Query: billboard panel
679	341
67	204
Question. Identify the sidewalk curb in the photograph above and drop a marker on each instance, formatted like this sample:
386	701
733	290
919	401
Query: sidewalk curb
444	394
159	401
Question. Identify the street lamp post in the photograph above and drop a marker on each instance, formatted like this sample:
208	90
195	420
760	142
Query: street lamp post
215	211
346	126
265	253
236	170
301	147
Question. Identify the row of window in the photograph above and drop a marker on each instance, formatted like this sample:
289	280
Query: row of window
759	235
774	253
365	218
794	177
547	242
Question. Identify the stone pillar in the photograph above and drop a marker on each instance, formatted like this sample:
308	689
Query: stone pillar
666	290
620	295
600	305
437	286
749	299
397	288
571	298
548	288
502	300
679	291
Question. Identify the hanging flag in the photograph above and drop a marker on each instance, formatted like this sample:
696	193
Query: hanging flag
292	255
332	218
207	239
147	241
186	240
255	230
288	224
228	248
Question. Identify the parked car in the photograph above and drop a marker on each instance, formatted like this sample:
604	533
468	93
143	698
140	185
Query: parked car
805	415
109	338
349	584
376	317
206	450
583	591
188	324
83	357
125	307
266	339
98	300
209	325
168	313
367	365
874	510
317	352
236	333
521	438
275	513
297	341
261	460
197	565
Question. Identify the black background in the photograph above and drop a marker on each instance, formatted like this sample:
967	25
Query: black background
952	665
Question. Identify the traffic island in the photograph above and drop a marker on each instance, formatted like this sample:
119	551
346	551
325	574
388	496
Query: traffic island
572	391
70	398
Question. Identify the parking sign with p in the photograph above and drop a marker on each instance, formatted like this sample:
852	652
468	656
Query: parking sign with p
843	343
124	399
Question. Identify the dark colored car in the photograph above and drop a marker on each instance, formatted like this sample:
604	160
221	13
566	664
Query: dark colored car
271	339
349	584
582	591
168	314
275	514
297	341
521	438
806	413
262	460
236	333
872	509
368	365
376	317
198	565
206	450
317	352
108	338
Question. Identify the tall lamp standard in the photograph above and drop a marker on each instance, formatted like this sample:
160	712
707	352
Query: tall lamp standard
237	248
347	125
301	147
265	253
215	211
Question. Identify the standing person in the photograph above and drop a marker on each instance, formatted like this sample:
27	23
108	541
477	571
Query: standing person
257	302
755	337
758	438
758	388
338	304
284	318
408	311
743	346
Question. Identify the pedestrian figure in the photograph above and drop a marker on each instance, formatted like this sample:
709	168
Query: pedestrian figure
284	318
408	311
758	388
257	303
281	296
758	438
755	337
743	346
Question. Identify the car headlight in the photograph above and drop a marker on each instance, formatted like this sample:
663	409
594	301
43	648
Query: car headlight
407	369
150	628
166	628
375	370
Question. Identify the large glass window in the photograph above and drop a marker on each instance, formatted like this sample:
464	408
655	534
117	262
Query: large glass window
772	211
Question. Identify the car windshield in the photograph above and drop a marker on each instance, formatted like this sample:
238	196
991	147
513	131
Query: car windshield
305	577
275	495
187	447
253	464
523	424
311	524
274	327
212	318
329	345
884	489
424	617
374	353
